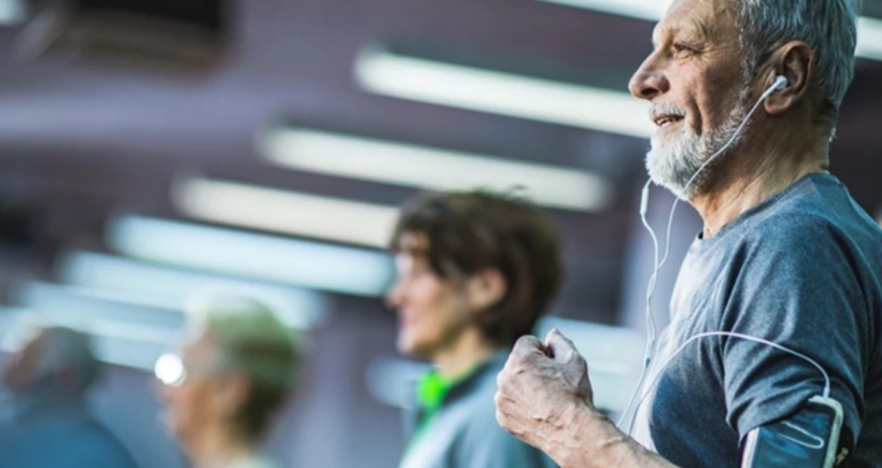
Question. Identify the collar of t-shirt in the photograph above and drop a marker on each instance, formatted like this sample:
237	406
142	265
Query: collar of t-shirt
434	390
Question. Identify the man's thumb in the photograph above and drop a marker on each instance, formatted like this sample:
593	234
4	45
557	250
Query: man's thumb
559	347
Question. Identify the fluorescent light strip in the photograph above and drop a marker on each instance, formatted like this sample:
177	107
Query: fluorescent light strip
286	212
262	257
481	90
12	11
650	10
113	342
14	331
70	306
133	282
869	43
432	168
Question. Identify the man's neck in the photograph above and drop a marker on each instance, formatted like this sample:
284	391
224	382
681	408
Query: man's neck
754	174
469	350
217	446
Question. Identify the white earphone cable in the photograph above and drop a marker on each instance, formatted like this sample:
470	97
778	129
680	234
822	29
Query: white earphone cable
741	336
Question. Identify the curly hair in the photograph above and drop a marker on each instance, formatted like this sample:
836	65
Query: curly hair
468	232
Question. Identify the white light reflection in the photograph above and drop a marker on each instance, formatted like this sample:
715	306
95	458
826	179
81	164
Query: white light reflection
447	84
136	282
288	261
286	212
432	168
869	45
170	370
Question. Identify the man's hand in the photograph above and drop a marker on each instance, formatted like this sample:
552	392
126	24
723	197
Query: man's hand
541	388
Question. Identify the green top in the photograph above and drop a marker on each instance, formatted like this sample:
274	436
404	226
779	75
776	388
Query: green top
432	388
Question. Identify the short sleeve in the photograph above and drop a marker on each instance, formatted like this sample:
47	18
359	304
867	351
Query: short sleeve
797	286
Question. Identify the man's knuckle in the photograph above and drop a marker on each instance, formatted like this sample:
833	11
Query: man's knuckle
523	341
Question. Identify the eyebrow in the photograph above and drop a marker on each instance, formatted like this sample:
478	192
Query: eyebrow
700	28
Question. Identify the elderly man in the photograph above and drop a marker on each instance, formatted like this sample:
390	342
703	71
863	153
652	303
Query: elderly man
51	424
787	262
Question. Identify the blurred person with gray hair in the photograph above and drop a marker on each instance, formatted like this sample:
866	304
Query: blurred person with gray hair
50	424
224	385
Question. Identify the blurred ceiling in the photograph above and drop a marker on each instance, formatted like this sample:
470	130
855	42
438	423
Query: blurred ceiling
82	139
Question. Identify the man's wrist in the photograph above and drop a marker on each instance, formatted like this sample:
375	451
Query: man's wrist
583	426
595	441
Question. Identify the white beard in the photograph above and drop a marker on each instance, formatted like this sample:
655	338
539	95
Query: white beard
674	160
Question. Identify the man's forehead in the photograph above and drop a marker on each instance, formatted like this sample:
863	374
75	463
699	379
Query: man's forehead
703	18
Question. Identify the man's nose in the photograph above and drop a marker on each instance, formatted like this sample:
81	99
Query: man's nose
649	82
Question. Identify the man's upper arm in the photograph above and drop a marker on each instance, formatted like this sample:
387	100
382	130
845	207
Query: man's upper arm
801	292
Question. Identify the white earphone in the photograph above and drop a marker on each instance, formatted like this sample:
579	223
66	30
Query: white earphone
780	83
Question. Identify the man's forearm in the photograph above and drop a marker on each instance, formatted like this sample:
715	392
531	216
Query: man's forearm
592	440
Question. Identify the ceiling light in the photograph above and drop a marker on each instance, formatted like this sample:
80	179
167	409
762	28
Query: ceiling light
651	10
432	168
12	11
68	306
286	212
113	341
423	80
869	43
140	283
262	257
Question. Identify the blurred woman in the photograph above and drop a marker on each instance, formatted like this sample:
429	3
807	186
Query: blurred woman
475	271
225	383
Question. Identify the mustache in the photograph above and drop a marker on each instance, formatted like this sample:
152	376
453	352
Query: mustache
666	109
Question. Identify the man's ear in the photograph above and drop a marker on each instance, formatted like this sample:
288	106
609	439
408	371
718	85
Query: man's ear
485	288
796	62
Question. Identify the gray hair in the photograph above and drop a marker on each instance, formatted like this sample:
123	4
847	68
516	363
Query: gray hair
829	27
68	349
253	341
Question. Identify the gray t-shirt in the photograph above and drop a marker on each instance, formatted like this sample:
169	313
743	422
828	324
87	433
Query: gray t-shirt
465	434
804	270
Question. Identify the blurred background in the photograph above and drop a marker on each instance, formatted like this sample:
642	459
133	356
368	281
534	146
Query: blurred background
150	149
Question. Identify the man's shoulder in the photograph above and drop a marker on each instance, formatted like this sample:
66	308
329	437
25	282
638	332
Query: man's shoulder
813	221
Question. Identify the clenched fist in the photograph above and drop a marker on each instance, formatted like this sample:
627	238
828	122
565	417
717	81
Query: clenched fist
541	390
